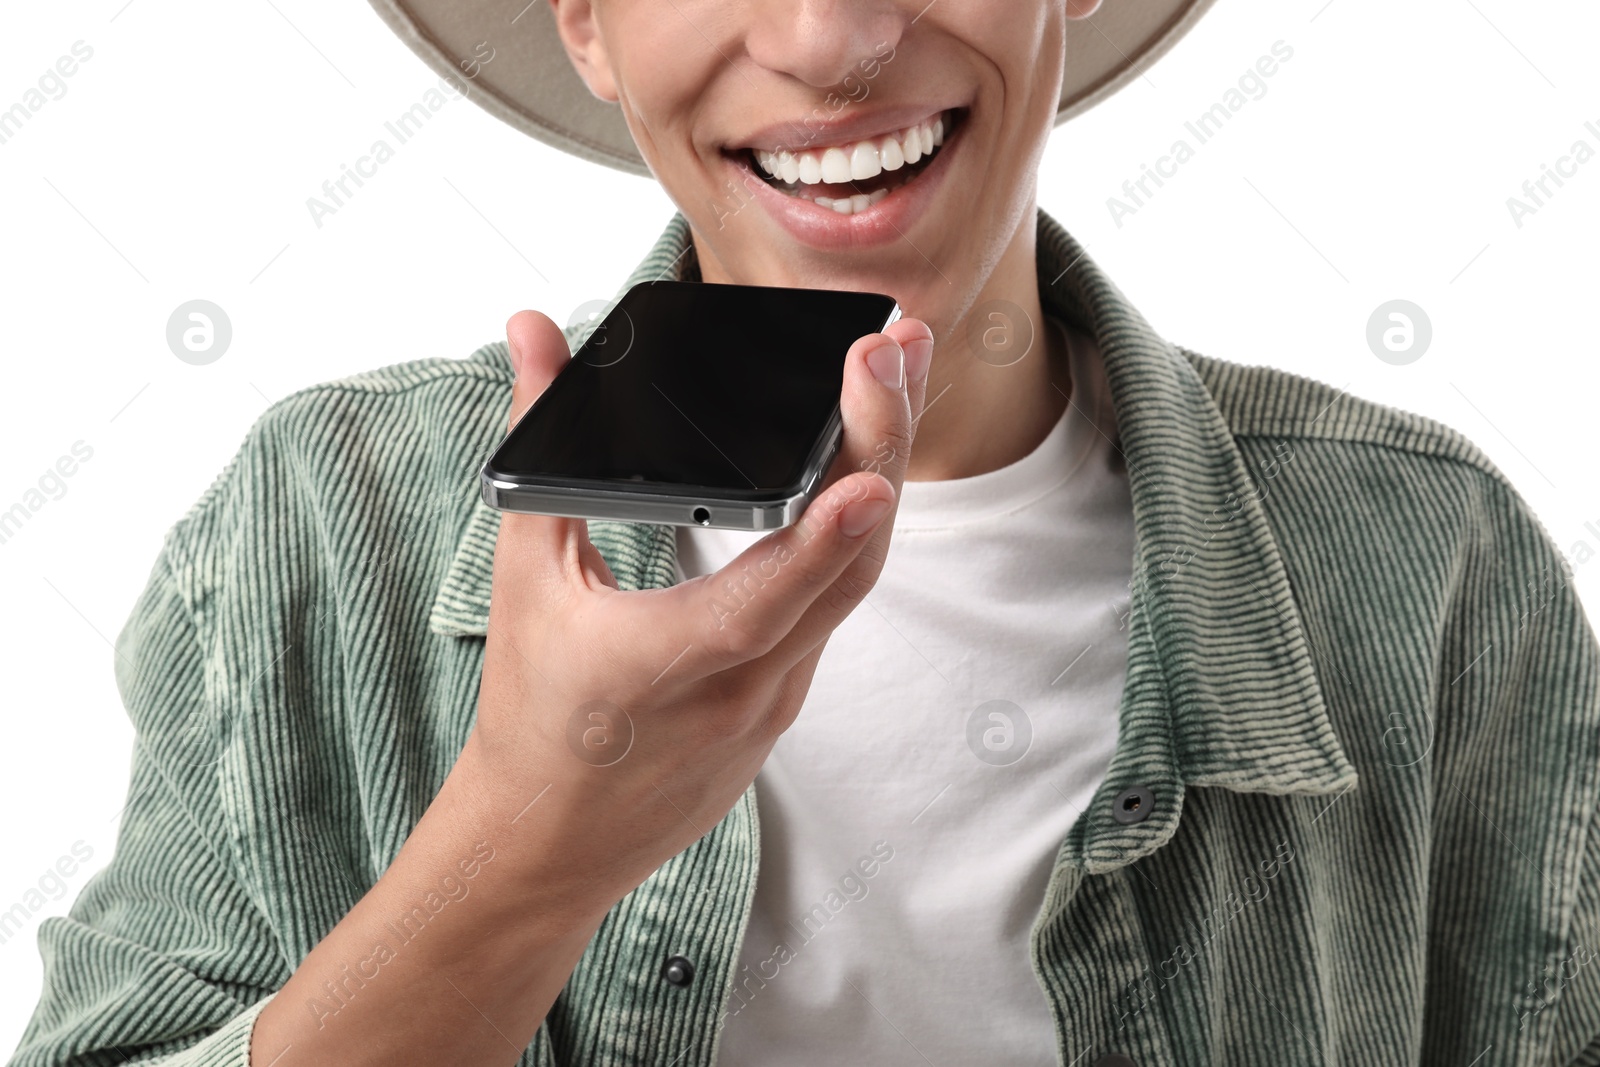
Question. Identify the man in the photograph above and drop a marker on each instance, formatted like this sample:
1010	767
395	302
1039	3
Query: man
1265	718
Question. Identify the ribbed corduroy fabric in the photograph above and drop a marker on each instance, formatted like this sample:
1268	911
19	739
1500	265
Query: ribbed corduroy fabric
1360	730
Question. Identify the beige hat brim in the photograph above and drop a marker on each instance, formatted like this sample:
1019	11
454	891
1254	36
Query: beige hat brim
531	84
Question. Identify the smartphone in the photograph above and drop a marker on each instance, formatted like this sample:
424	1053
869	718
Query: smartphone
691	404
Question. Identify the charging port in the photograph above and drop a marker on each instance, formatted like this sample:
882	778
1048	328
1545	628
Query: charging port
702	516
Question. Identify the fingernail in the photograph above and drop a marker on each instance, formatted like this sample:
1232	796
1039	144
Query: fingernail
860	516
919	354
888	365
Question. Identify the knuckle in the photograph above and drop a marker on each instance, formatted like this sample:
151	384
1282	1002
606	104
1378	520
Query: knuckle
779	708
772	720
845	595
741	693
735	638
889	448
897	437
842	598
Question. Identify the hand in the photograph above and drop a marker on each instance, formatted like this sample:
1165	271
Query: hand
695	684
640	717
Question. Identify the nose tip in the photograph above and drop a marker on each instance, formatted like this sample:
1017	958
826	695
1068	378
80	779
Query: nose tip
823	42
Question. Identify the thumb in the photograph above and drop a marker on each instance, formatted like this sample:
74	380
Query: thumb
538	352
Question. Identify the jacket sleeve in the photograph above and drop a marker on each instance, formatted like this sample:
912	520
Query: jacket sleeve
1516	902
164	958
1576	981
1572	987
1559	677
1511	782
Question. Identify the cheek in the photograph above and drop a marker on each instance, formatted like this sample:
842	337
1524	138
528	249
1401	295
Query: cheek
664	69
1021	78
1020	48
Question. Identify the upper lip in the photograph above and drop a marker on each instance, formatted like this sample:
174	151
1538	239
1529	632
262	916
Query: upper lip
810	131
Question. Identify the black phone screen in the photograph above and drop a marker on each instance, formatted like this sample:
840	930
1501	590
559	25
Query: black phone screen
693	384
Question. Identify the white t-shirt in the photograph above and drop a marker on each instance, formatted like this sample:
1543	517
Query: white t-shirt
959	721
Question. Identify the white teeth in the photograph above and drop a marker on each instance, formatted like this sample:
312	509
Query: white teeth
913	144
859	161
891	155
850	205
835	166
864	161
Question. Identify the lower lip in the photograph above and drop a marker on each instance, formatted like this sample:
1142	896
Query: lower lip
890	219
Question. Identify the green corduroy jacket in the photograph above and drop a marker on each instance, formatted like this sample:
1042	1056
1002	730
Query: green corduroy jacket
1350	818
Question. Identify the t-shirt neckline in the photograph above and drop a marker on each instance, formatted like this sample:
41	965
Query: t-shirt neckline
1055	461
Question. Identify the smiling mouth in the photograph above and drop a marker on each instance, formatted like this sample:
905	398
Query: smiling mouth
850	178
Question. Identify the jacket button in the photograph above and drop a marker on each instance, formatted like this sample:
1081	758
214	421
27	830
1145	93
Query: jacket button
1132	806
1115	1059
678	971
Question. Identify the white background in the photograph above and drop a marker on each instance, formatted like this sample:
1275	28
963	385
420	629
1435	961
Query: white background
178	163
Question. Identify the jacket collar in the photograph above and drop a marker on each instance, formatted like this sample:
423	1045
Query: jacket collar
1221	688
